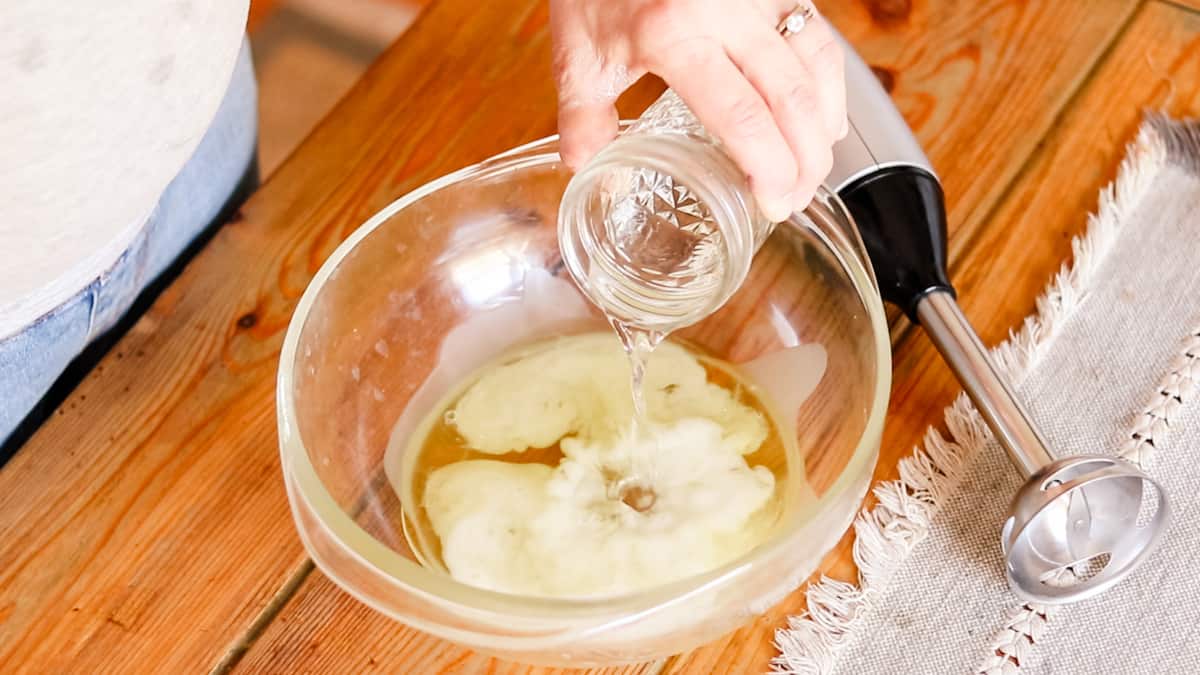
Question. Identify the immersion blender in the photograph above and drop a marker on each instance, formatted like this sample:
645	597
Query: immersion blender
1080	523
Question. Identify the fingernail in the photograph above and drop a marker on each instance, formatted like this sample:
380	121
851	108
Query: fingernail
778	210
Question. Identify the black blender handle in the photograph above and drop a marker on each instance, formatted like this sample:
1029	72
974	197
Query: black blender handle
901	215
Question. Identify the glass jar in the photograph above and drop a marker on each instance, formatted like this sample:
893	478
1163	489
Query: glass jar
659	228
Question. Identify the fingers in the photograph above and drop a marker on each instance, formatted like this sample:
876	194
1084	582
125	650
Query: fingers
776	104
587	114
732	109
587	118
820	51
796	101
584	129
801	79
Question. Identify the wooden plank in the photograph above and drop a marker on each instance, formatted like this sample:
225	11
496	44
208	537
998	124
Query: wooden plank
311	628
300	79
145	527
980	83
1156	64
260	11
378	22
337	634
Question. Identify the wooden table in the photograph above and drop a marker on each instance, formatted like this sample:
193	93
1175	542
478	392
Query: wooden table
145	527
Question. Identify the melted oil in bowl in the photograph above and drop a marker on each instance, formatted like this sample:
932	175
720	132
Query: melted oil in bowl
530	476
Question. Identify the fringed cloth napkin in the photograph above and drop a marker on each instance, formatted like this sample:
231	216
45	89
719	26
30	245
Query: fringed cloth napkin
1110	363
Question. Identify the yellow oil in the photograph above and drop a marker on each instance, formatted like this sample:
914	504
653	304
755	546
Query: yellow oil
437	443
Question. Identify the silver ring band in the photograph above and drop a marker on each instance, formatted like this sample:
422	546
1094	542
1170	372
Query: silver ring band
796	20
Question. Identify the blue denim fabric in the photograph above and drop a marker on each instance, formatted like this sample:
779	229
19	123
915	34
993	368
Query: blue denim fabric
33	358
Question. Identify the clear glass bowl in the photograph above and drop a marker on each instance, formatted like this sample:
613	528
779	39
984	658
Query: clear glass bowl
468	267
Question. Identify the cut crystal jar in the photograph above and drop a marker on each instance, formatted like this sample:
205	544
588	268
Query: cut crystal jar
659	228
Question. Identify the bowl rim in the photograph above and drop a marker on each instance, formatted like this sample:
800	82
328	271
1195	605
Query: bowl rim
304	485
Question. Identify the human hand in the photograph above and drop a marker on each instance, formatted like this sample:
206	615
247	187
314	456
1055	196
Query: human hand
777	104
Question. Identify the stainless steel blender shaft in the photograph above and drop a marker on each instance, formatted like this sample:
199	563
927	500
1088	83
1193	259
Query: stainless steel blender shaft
953	336
1080	523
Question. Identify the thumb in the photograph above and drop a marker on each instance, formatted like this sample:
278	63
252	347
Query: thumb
587	91
584	128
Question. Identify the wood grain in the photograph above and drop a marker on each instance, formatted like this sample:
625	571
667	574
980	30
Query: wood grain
361	643
751	647
1156	64
981	82
260	11
379	22
145	527
300	79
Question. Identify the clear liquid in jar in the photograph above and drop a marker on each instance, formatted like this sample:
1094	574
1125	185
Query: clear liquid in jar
655	253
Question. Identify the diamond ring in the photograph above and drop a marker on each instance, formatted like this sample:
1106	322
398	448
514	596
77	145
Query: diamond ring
796	20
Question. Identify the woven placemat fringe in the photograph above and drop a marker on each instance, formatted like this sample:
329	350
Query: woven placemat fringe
888	531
